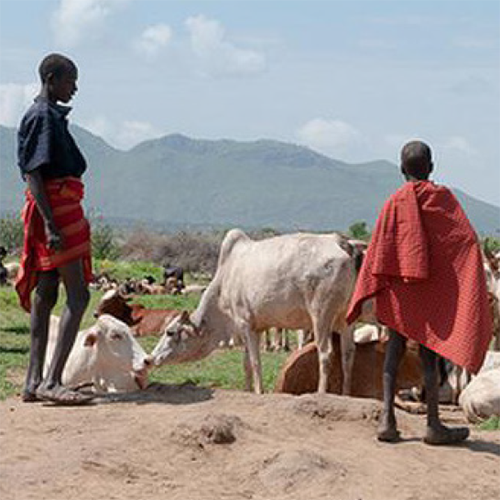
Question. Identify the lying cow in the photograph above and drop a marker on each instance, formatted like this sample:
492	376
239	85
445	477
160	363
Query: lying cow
480	400
291	281
105	356
141	320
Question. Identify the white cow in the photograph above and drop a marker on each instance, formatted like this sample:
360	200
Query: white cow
292	281
106	355
480	400
492	271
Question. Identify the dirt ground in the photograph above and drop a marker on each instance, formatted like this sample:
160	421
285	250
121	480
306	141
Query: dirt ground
192	443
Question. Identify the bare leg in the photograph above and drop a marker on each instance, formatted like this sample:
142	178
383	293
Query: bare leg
44	300
77	300
437	433
396	344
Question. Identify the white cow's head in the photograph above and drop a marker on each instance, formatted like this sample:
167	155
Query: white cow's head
181	341
117	353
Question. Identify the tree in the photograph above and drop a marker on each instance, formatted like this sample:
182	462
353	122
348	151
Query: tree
359	231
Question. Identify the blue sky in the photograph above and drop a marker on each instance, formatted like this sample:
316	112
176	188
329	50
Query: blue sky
351	79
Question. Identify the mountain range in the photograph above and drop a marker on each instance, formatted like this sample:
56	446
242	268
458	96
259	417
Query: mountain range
178	182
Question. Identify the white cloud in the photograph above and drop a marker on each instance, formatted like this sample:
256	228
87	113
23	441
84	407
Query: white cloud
14	101
153	39
74	19
125	135
331	137
216	55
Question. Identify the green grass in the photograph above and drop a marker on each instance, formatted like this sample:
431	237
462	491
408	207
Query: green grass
223	368
492	424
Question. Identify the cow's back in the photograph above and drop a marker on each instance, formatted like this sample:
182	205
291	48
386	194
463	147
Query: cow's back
280	280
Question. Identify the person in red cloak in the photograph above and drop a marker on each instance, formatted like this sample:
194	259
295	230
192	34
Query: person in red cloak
423	269
56	233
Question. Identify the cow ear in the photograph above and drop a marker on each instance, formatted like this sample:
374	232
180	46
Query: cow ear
90	339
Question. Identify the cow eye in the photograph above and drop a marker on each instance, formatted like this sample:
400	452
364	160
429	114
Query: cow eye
116	336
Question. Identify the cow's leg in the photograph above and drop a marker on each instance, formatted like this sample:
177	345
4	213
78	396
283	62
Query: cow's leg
248	371
252	349
325	348
267	340
284	342
348	350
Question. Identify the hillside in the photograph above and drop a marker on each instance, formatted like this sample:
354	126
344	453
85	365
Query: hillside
177	181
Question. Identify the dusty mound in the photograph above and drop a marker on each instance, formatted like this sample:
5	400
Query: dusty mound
188	442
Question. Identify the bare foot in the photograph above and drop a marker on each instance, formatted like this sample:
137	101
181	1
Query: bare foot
29	393
442	435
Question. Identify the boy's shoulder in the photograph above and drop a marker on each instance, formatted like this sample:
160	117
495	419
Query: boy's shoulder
39	111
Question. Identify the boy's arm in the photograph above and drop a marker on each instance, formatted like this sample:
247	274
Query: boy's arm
35	185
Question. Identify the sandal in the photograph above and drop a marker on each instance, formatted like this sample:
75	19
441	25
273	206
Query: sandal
446	435
63	396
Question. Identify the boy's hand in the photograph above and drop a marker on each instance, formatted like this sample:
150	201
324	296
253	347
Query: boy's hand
54	237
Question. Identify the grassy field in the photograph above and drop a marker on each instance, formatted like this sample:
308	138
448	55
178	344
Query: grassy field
222	369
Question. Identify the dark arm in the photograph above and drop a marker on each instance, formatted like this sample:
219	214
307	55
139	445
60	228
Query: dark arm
35	185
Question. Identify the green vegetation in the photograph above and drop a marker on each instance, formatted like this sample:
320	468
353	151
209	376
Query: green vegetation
492	424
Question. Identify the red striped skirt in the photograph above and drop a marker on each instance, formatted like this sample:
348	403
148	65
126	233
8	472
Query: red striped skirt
64	196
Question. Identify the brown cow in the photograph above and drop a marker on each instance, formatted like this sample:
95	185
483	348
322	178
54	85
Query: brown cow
141	320
299	375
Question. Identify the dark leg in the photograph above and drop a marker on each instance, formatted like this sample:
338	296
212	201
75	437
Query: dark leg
437	433
396	344
44	300
77	300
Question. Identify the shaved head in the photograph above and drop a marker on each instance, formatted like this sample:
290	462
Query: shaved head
416	160
57	65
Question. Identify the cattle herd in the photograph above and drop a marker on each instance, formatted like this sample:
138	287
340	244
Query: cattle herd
299	282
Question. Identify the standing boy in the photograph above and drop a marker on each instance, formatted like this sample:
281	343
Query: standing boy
56	233
424	270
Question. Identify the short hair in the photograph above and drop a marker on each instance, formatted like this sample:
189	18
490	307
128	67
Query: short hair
56	64
416	159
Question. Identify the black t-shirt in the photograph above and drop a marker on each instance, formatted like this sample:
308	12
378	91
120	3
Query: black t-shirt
45	143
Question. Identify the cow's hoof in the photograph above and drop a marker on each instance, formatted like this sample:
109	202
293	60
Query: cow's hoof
445	435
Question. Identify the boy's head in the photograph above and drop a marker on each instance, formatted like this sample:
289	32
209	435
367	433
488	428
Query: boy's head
58	74
416	160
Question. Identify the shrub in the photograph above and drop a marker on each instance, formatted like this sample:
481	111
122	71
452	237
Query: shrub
104	240
11	233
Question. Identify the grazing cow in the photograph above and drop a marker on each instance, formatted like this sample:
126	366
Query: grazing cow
480	400
141	320
174	272
276	339
106	355
291	281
